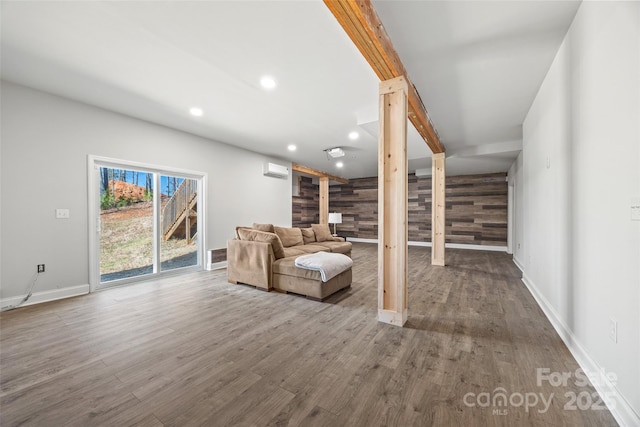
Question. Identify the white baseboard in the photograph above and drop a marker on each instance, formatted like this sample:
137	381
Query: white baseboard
358	240
621	409
216	265
447	245
518	263
46	296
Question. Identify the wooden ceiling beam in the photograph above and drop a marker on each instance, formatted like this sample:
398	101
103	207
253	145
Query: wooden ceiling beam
313	172
361	23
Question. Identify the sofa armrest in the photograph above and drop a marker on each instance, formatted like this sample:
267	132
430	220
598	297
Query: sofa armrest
250	262
339	239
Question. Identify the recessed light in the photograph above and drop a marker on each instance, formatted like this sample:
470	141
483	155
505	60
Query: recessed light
354	135
339	164
268	82
195	111
291	147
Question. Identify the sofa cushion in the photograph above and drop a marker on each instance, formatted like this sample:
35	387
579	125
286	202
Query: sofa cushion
264	227
308	236
262	236
338	247
243	227
294	251
287	266
289	236
322	232
312	248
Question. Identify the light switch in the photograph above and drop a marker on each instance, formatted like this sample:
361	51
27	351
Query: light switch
635	209
62	213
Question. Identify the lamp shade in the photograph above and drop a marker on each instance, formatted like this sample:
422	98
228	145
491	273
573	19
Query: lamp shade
335	218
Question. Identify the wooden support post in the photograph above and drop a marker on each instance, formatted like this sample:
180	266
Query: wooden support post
392	202
324	200
438	206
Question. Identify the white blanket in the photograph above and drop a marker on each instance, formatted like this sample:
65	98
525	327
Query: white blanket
328	264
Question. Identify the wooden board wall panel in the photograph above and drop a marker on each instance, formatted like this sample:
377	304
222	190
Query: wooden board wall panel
484	199
305	207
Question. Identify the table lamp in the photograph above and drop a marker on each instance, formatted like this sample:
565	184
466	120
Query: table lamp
335	218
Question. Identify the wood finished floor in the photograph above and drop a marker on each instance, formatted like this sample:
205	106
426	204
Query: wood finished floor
194	350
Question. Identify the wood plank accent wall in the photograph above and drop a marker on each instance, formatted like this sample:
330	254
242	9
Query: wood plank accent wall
476	208
358	203
306	206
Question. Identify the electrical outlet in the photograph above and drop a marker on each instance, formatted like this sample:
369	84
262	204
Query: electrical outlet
62	213
635	209
613	330
40	268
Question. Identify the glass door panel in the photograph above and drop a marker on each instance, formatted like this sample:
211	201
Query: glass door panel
126	224
178	222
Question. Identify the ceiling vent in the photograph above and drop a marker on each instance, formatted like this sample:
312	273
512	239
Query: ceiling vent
334	153
276	171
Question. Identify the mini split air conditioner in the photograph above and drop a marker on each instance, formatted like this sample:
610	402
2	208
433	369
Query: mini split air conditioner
274	170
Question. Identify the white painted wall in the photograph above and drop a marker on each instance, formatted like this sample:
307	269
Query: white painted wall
45	141
581	166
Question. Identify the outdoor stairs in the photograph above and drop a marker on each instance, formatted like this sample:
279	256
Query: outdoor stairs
180	213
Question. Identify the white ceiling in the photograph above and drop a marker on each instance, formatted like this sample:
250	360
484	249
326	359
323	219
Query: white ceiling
477	66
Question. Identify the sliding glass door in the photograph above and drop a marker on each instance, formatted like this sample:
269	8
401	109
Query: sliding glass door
127	224
179	219
147	221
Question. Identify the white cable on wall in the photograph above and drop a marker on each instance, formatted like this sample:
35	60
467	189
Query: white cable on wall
28	295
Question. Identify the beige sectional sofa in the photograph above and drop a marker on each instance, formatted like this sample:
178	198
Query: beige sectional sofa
264	256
